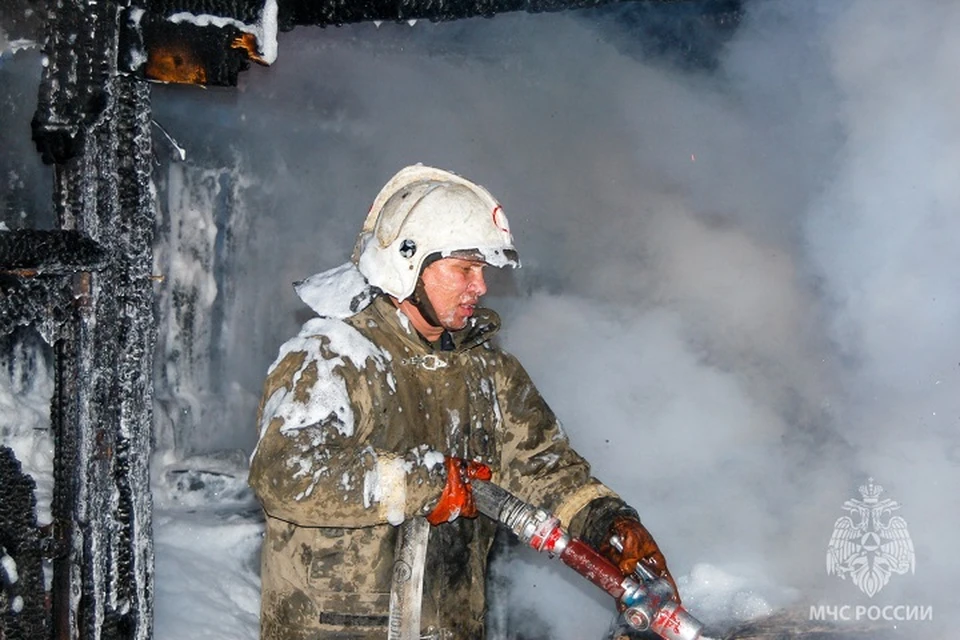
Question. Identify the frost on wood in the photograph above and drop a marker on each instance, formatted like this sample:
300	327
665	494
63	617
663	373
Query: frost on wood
199	210
101	504
95	306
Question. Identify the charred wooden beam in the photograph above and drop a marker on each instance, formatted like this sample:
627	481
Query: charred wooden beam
293	13
102	410
29	253
208	42
245	11
73	88
93	122
23	611
37	281
23	19
43	302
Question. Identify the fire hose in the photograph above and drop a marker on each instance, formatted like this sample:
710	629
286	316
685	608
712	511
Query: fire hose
647	601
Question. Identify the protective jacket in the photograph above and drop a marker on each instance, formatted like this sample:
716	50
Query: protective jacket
356	416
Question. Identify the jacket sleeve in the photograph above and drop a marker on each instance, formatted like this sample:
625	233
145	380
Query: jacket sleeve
314	464
537	462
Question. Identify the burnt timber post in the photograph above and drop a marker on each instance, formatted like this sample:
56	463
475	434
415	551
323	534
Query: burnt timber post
93	124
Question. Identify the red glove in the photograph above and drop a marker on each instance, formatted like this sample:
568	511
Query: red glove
457	497
638	546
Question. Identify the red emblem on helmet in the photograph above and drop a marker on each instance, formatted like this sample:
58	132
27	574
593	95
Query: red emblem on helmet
500	219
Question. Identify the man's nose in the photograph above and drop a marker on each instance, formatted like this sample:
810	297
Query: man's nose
477	284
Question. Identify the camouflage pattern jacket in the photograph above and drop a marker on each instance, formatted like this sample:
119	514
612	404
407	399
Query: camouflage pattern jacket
355	419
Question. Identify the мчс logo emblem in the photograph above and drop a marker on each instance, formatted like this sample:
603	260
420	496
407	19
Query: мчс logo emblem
870	544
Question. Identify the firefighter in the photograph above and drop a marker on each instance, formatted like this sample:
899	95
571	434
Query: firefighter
372	424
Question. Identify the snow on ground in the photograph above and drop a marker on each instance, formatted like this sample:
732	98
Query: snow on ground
207	577
207	533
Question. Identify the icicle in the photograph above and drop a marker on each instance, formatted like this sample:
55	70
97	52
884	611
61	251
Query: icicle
180	150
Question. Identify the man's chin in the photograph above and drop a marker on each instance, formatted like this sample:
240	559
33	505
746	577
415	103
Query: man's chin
456	323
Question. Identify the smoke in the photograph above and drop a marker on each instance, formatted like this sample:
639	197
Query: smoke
739	290
882	238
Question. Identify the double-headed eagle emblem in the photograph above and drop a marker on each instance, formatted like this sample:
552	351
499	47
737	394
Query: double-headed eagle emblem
870	544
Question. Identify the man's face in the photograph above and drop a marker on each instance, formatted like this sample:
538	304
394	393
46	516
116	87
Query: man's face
454	286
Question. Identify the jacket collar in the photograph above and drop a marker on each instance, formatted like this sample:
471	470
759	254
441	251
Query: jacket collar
484	324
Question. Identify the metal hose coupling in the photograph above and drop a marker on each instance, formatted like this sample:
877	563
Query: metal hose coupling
533	526
650	603
648	600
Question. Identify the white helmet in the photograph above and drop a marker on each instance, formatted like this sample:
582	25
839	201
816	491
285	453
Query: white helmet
423	212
